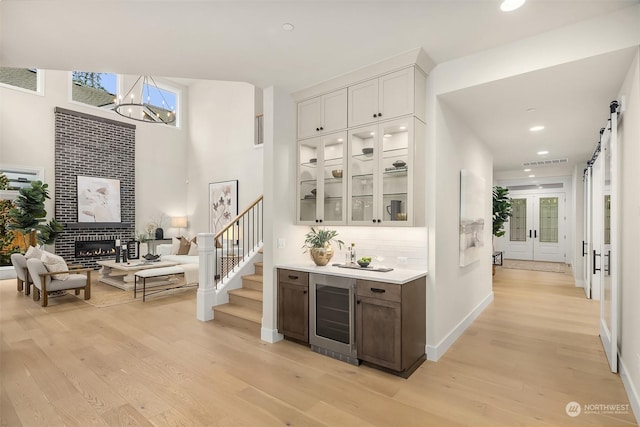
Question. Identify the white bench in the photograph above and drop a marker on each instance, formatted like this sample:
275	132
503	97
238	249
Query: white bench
161	286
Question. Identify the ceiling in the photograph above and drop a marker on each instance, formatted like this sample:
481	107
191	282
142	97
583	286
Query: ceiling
244	41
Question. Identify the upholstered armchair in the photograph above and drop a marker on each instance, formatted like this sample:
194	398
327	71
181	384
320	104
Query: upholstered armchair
22	273
43	282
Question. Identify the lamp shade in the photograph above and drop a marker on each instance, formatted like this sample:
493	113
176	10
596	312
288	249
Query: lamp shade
179	221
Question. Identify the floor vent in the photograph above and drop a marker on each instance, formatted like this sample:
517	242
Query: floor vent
546	162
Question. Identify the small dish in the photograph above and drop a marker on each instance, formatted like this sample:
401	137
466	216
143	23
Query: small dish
363	264
314	160
367	150
337	173
399	163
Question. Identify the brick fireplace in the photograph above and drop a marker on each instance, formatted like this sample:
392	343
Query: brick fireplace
92	146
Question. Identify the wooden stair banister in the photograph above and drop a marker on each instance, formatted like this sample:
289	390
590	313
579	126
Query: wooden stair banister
245	231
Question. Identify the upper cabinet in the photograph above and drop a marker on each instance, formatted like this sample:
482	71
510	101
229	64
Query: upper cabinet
386	97
323	114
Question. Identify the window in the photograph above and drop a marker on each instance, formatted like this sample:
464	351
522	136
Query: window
162	102
97	89
28	79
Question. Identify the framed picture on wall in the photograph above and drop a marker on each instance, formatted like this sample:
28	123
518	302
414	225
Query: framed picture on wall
223	204
98	199
472	206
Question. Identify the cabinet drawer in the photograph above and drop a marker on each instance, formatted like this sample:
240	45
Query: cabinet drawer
380	290
294	277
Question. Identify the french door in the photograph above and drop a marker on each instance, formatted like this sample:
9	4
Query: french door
536	229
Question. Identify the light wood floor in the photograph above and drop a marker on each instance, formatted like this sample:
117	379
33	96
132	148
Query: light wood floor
531	352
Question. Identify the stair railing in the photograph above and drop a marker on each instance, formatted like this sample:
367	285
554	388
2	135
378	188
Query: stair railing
238	239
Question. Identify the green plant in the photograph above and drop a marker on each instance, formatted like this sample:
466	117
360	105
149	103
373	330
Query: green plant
501	209
4	181
29	215
319	238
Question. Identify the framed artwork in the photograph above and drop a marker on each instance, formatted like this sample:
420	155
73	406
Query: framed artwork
472	207
223	204
98	199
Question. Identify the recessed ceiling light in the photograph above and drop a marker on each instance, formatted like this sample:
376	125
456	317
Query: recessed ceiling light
537	128
542	153
402	127
527	170
340	139
509	5
532	176
530	110
287	26
372	133
387	135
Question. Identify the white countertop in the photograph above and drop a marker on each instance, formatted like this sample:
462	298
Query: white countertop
397	276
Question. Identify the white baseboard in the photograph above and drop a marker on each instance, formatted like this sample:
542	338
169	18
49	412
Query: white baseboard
632	393
437	351
580	283
270	335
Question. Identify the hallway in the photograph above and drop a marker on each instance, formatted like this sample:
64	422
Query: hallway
531	352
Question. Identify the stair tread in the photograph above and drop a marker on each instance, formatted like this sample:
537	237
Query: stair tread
258	263
253	277
247	293
240	311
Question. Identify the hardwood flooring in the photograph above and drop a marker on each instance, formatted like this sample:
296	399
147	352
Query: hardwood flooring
535	349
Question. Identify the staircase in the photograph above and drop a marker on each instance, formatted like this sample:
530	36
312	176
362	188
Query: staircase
244	309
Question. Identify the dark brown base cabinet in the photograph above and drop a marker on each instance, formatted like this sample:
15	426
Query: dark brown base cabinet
391	325
293	304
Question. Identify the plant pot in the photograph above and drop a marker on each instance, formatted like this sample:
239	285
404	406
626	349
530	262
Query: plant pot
322	256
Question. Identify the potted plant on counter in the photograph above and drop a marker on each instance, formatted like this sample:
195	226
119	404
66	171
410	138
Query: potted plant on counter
318	244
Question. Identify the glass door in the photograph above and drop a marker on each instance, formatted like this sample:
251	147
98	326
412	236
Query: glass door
321	184
394	166
362	171
519	233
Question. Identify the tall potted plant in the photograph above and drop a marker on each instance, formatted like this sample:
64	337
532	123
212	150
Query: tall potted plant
318	243
28	216
502	211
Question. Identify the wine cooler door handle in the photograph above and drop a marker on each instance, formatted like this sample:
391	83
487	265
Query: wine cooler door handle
352	325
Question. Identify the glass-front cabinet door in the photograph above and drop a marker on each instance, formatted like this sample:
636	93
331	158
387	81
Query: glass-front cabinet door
380	181
321	180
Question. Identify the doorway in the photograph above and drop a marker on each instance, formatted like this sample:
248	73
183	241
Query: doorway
536	229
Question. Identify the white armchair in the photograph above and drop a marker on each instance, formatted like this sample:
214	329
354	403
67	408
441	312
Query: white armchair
43	283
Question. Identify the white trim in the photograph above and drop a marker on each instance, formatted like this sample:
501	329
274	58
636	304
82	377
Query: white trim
434	353
270	335
580	283
632	393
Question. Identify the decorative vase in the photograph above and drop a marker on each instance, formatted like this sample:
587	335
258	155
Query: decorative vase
322	256
159	233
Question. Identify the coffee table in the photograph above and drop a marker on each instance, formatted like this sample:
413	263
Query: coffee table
122	274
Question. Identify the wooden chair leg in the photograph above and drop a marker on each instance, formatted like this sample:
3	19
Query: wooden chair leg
87	288
36	294
28	283
43	291
77	291
19	284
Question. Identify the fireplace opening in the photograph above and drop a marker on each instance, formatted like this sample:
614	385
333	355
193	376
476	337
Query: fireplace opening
95	248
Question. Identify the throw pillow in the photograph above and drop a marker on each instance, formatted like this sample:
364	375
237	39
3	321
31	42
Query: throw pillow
55	263
185	245
175	245
33	252
193	249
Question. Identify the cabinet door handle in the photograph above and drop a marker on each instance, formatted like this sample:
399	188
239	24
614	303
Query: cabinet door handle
584	244
317	129
304	292
292	277
608	267
378	290
594	262
321	128
379	220
374	221
319	220
529	233
535	234
375	115
379	114
358	302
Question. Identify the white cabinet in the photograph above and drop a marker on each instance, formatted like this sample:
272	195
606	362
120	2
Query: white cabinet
322	180
381	173
323	114
386	97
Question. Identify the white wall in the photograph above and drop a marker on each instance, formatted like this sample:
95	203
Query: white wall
27	138
221	127
455	295
629	143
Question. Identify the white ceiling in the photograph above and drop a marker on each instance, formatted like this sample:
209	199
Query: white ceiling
571	101
244	41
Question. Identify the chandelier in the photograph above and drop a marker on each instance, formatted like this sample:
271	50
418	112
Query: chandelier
145	102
